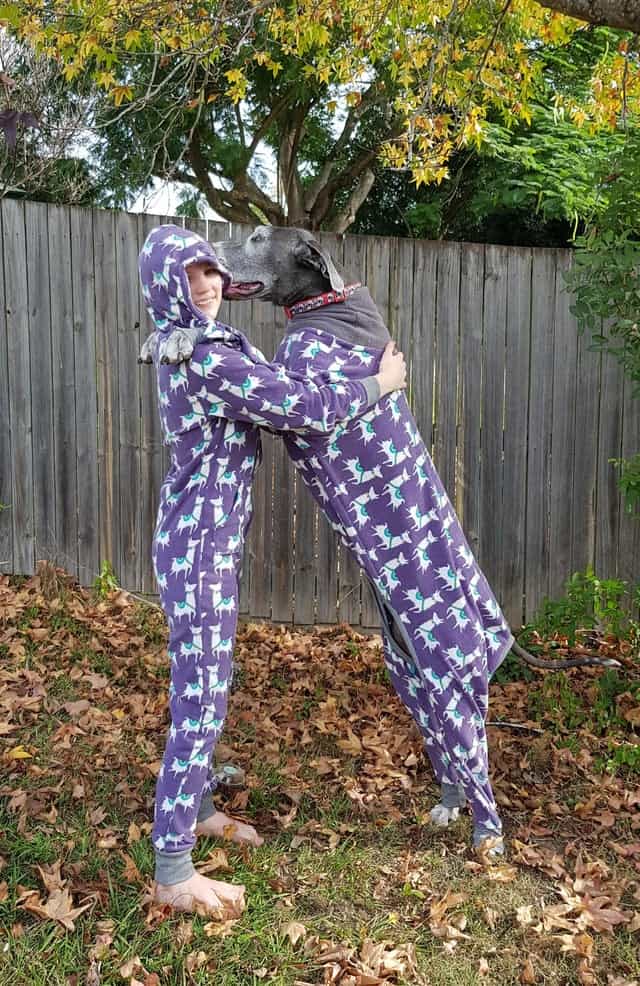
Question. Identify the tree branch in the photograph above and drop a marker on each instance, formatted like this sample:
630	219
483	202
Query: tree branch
353	116
623	14
217	199
266	123
288	151
345	218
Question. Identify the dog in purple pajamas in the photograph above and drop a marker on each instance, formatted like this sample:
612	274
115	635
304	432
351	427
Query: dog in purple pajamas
443	632
211	409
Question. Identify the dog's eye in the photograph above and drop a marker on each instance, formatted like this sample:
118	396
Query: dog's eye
257	237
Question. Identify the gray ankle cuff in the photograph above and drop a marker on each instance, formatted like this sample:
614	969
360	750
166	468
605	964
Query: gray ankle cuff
452	795
173	867
207	807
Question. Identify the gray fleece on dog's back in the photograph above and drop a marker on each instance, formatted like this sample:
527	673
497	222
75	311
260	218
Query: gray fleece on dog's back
356	321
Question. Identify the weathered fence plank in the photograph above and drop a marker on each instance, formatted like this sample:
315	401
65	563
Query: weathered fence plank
585	476
537	547
492	414
6	459
562	435
128	370
19	373
467	500
44	472
446	364
629	527
104	252
609	447
84	344
425	283
152	459
514	493
64	388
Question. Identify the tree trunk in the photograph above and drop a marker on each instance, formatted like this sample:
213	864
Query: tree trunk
624	14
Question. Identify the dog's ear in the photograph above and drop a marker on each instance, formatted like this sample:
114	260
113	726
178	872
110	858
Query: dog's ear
309	253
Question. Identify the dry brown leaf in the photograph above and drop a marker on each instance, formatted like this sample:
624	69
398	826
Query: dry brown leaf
220	929
51	876
527	974
93	974
294	931
132	967
131	873
216	860
75	709
59	907
195	960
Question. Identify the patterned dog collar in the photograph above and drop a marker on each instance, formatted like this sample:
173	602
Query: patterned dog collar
320	300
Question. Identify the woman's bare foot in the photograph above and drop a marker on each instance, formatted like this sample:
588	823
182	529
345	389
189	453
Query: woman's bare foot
225	827
200	895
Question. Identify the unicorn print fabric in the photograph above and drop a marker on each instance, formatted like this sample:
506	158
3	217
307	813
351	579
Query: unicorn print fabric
210	408
443	632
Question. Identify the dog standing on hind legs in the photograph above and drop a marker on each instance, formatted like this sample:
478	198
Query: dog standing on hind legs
443	632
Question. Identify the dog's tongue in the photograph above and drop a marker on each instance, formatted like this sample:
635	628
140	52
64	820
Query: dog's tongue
243	289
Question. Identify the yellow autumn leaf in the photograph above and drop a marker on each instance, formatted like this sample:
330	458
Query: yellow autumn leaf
18	753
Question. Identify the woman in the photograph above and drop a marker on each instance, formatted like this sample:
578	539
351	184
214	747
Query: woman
211	409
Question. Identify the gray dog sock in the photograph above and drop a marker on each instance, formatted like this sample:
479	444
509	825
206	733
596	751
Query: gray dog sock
207	807
452	795
452	799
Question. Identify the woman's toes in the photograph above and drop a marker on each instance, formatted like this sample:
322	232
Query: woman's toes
224	827
200	895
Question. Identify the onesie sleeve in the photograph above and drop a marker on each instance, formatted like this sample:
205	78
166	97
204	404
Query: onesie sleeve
266	394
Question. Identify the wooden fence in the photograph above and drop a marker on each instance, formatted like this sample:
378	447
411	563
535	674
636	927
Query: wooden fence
520	417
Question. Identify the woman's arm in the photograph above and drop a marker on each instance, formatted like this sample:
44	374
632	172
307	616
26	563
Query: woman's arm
236	387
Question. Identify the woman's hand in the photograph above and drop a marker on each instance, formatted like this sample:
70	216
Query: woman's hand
392	372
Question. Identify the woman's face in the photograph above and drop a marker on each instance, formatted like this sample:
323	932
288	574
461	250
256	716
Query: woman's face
205	284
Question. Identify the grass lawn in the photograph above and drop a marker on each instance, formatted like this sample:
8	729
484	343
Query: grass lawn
352	886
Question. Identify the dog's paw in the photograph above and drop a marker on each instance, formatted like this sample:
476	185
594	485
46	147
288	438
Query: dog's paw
178	345
148	349
442	816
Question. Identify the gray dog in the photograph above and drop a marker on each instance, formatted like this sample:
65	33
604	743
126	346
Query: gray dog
443	632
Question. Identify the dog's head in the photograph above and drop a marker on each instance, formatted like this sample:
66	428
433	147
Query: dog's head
278	264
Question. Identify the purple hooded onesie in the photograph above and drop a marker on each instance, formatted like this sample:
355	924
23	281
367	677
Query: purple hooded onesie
443	632
210	409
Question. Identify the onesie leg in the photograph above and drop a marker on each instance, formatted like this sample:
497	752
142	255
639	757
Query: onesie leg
198	703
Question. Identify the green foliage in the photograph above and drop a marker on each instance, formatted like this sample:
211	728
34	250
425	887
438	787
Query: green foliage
106	582
629	480
562	706
557	704
605	278
625	757
528	185
590	603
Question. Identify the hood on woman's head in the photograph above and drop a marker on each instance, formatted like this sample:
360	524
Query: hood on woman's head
167	252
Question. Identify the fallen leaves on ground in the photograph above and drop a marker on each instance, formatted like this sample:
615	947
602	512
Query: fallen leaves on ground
315	706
